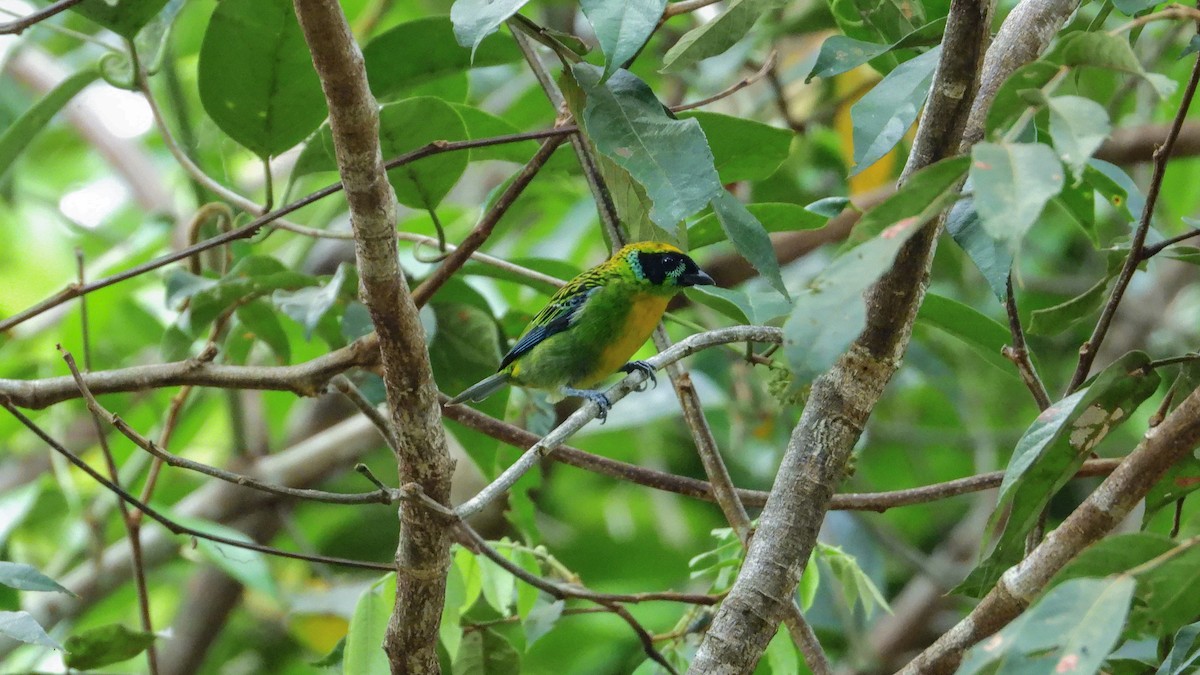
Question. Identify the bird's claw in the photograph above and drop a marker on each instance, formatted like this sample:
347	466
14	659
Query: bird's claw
641	367
597	397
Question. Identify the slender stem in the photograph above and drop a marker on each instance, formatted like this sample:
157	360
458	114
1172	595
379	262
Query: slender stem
1087	352
1018	353
686	6
19	25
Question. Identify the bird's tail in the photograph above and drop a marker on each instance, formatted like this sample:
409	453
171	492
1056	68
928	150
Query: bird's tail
483	389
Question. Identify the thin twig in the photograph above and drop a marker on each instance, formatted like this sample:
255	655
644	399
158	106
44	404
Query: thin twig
172	526
1018	353
766	70
382	423
1087	352
136	559
19	25
677	8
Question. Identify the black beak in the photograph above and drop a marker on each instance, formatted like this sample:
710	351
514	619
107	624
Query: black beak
697	278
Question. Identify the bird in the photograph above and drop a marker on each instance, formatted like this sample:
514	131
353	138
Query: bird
593	324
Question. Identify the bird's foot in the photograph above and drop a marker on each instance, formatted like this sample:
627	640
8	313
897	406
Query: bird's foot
641	367
593	395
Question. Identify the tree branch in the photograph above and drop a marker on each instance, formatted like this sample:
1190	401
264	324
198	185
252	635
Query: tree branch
842	399
423	555
17	26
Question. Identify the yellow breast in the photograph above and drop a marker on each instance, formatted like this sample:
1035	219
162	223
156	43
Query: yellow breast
644	314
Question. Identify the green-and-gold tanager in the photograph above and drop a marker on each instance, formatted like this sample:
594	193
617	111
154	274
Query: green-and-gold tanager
591	326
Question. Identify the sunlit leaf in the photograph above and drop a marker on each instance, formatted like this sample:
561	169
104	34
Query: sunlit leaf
474	20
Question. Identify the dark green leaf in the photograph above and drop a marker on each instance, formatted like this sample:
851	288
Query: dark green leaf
884	22
884	114
17	136
1077	126
25	578
1070	630
256	77
669	157
123	17
251	277
715	36
984	335
182	285
1012	183
1010	102
23	627
405	126
622	27
258	317
1051	451
1182	479
773	217
990	255
840	54
481	124
749	238
830	313
743	149
486	652
1169	589
105	646
1134	7
416	52
1102	50
1192	47
474	20
1114	555
1056	319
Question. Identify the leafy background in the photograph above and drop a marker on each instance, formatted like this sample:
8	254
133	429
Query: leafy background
1051	197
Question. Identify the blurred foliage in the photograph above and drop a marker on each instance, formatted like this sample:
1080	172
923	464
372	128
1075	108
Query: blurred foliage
87	174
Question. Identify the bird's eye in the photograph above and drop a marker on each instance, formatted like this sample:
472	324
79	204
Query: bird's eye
670	259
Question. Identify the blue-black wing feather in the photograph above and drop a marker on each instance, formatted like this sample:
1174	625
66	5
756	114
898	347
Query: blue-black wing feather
554	318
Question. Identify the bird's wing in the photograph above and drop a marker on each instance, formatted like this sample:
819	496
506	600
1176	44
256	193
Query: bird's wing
555	317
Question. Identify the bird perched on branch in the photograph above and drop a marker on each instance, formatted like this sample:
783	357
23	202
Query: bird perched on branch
591	326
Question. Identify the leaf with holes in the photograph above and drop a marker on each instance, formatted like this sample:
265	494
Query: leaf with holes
1049	454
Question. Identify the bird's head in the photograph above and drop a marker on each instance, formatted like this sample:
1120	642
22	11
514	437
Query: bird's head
662	264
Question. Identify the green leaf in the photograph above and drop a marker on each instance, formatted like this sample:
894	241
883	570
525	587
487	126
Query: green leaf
243	565
781	653
1077	126
1114	555
182	285
252	276
991	256
540	620
123	17
105	646
259	318
404	126
1051	451
486	652
622	28
1012	183
15	505
307	306
1117	188
840	53
1182	479
482	124
1070	630
364	653
749	238
474	20
810	581
983	334
450	630
416	52
746	307
885	114
743	149
885	21
774	217
830	313
1060	317
17	136
828	206
1179	660
715	36
1011	101
1102	50
23	627
25	578
256	77
499	586
670	158
856	585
